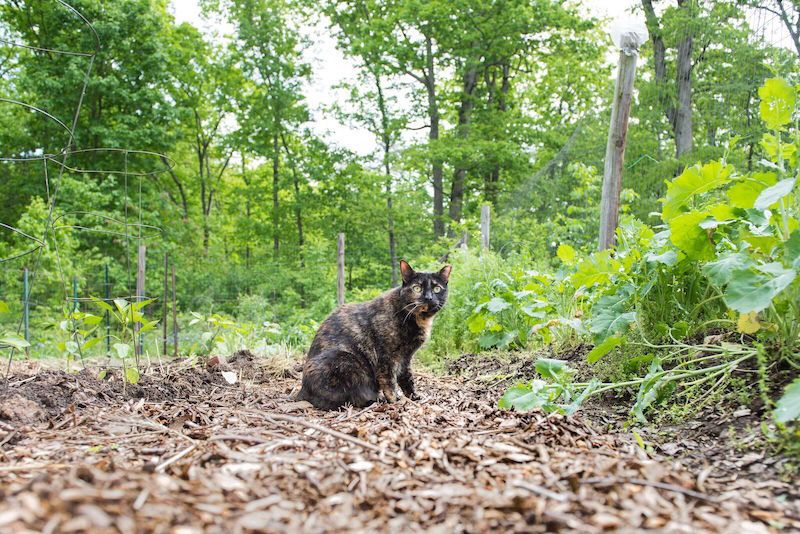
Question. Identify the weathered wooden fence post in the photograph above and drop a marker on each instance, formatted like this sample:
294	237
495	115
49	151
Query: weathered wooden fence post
485	222
174	316
340	271
140	273
629	42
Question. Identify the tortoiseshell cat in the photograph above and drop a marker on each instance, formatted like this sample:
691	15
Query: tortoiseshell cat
365	349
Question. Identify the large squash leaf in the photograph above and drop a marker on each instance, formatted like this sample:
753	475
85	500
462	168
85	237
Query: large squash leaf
687	234
749	291
777	103
692	182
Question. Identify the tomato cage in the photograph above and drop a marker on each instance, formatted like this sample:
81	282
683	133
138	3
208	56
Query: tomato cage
51	174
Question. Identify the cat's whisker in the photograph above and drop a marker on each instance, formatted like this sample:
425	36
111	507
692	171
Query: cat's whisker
409	314
404	308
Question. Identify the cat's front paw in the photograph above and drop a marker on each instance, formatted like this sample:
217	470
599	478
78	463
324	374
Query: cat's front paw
413	396
389	394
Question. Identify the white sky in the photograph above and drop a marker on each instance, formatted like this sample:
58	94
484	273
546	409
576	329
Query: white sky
329	68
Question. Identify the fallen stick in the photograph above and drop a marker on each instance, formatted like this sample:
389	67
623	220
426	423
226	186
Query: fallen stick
601	481
30	467
539	490
238	437
163	465
274	418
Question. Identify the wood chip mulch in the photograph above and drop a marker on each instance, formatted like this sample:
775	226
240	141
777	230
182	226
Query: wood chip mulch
183	454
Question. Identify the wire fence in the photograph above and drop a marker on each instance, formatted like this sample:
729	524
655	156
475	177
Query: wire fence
39	268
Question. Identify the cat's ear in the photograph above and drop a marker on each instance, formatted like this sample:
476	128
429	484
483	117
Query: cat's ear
444	273
406	271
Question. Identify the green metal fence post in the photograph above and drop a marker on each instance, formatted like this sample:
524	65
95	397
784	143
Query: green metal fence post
26	297
108	315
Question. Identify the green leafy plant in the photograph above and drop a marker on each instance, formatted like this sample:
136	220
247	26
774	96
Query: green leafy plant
78	328
10	339
726	257
127	315
219	332
554	392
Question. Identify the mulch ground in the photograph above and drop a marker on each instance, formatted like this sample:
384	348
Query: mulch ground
187	451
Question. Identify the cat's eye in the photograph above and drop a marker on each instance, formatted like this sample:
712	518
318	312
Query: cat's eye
416	288
437	289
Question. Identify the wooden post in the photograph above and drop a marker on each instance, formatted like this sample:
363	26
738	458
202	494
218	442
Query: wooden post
485	221
617	132
140	272
340	271
164	315
174	316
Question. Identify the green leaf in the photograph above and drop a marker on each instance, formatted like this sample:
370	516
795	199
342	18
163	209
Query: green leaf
148	326
743	194
609	344
3	307
142	304
121	305
552	369
788	407
599	268
689	237
13	341
749	291
692	182
92	320
720	271
791	251
497	339
476	323
777	103
132	375
679	330
525	397
654	388
122	349
497	304
609	316
772	195
578	402
668	257
102	304
91	343
566	254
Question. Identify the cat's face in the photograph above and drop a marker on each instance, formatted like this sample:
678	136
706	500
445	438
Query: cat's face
423	294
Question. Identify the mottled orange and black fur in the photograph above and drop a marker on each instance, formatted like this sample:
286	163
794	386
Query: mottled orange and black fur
365	349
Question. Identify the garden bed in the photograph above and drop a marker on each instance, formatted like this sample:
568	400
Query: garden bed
186	448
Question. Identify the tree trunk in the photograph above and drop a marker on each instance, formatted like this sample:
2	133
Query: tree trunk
386	141
792	26
470	79
433	135
492	179
680	117
179	185
275	206
298	204
683	116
